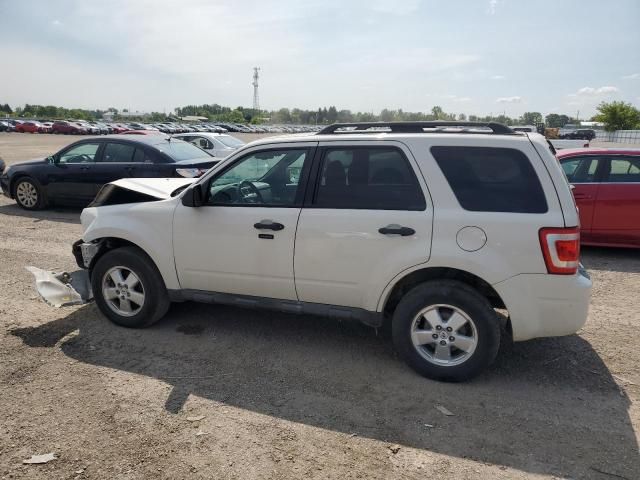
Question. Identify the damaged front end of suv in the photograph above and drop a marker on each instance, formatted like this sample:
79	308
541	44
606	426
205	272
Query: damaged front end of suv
60	289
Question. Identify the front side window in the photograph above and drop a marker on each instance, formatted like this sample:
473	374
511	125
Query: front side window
624	170
580	169
85	153
118	153
371	178
486	179
268	178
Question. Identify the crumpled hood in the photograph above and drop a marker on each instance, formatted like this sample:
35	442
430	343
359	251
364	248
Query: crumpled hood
160	188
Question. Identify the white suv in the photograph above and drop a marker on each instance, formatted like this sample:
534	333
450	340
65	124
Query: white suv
432	226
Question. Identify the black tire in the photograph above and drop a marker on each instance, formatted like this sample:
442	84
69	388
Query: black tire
467	300
156	299
31	185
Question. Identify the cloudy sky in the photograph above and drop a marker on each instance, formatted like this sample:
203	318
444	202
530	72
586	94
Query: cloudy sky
472	56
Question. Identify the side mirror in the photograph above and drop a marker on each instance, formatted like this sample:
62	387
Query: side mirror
52	159
193	197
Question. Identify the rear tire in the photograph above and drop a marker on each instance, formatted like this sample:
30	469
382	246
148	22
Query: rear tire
128	288
445	330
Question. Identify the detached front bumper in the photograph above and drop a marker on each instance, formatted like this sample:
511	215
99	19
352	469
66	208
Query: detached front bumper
61	289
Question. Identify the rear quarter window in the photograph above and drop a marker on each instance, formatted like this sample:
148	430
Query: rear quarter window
485	179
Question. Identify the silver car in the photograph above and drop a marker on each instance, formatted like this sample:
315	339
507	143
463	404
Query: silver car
217	144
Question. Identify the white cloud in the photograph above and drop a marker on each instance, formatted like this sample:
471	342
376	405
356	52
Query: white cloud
592	92
491	9
405	7
497	77
633	76
448	96
56	23
514	99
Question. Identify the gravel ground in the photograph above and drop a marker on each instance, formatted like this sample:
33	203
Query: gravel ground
219	392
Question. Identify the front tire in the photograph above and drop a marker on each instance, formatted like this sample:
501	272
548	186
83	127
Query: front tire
446	330
29	194
128	288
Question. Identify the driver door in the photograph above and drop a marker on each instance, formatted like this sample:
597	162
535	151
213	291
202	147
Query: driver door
73	176
241	240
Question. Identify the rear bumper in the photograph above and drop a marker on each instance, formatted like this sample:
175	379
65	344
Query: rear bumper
542	305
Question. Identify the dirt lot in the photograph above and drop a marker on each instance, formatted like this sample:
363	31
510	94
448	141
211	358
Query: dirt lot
281	396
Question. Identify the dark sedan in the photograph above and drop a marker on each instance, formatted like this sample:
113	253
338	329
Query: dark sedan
75	174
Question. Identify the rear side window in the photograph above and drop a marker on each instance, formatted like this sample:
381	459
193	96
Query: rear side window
118	153
142	156
487	179
624	170
580	169
368	178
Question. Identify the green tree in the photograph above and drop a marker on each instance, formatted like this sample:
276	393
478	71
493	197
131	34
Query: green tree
553	120
234	116
387	115
282	116
345	116
531	118
618	116
437	113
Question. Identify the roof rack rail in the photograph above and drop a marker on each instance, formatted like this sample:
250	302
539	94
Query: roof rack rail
417	127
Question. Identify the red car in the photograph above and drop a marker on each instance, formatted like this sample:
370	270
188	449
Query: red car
28	127
606	187
67	127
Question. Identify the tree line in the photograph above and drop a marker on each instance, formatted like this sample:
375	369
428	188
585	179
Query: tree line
615	115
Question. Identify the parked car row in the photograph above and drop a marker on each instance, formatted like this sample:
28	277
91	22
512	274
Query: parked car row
82	127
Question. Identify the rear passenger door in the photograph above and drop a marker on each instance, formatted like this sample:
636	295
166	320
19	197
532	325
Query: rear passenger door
582	173
367	217
616	217
116	163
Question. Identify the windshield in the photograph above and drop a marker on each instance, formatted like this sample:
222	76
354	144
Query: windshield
230	141
178	150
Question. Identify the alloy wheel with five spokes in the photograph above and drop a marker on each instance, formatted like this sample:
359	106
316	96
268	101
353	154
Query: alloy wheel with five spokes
123	291
444	335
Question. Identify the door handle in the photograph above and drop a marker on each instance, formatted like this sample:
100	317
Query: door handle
397	230
581	196
85	168
268	225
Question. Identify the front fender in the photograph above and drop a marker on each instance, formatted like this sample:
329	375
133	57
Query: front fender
147	225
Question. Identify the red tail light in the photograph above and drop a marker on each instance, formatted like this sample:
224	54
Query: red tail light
561	249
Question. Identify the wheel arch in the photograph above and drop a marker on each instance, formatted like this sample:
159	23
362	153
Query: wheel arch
416	277
112	243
